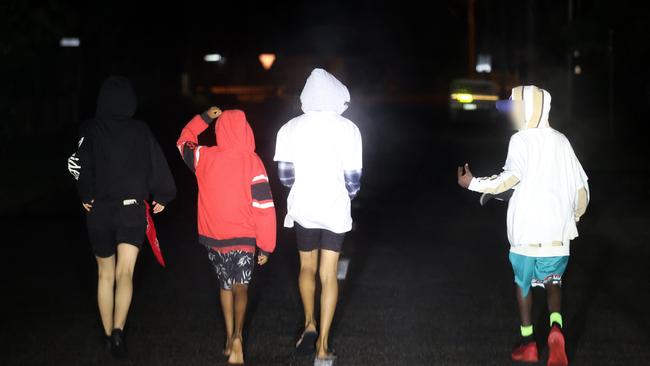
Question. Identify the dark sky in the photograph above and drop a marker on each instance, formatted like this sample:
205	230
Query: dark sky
416	45
294	27
399	33
397	41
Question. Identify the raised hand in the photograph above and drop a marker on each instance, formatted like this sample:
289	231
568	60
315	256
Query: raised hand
214	112
464	176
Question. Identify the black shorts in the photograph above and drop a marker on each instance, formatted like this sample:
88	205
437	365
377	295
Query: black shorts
312	239
114	222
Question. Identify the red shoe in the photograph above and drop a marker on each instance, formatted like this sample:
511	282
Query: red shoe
526	352
556	352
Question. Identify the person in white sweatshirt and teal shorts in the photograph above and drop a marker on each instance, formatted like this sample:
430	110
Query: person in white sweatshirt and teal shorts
549	195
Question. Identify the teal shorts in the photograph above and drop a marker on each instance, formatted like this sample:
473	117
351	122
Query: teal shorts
537	271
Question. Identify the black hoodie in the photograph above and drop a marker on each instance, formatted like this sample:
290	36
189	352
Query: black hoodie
118	157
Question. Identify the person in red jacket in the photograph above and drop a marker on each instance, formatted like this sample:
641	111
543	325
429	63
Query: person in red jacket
235	210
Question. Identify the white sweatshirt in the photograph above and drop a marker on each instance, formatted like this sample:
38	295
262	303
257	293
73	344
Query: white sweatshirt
322	145
548	182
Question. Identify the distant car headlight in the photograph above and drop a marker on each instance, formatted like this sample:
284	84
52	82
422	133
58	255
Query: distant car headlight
463	97
469	98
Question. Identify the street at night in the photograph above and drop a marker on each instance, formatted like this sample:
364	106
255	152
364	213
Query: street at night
428	284
424	275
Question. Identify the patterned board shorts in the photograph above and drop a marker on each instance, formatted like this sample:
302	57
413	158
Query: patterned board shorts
233	267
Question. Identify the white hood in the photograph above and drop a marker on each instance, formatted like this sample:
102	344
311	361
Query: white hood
323	92
536	107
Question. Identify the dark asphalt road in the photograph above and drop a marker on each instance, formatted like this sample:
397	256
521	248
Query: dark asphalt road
429	280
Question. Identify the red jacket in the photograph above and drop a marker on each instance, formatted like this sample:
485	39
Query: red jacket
235	208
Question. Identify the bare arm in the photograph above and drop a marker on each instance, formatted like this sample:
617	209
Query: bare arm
583	201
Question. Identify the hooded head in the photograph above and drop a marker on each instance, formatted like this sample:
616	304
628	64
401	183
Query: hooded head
323	92
528	107
234	132
116	99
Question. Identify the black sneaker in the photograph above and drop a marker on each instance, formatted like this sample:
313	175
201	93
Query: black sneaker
118	345
504	197
106	341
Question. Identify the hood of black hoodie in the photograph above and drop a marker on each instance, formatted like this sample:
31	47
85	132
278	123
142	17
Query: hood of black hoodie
116	99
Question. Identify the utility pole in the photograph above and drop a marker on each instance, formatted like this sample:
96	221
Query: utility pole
610	54
569	66
471	37
530	47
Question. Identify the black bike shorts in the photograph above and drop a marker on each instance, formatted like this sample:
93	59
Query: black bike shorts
312	239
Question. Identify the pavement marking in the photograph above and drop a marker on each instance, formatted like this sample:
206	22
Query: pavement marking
319	362
342	271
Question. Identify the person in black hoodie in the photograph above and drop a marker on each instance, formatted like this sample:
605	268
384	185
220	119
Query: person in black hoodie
118	165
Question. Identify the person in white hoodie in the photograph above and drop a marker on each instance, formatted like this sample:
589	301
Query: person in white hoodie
319	157
550	194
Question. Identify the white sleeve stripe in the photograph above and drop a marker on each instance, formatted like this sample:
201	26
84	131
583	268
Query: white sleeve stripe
261	177
263	205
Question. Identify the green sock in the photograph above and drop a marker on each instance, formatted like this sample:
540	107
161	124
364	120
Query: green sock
526	331
556	318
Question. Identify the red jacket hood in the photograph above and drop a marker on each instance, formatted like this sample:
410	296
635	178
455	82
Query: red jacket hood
234	132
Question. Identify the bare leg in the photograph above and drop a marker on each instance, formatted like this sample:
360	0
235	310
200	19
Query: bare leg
554	298
105	291
240	293
525	306
227	307
329	296
307	284
127	255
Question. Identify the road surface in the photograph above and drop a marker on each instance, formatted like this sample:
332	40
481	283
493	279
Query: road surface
429	281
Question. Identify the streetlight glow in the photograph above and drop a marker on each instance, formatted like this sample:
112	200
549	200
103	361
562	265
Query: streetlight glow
70	42
212	57
267	60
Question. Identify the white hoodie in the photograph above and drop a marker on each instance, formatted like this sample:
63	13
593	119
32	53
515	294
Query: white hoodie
550	186
322	145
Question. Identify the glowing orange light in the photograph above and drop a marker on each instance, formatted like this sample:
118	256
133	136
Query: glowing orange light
267	60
